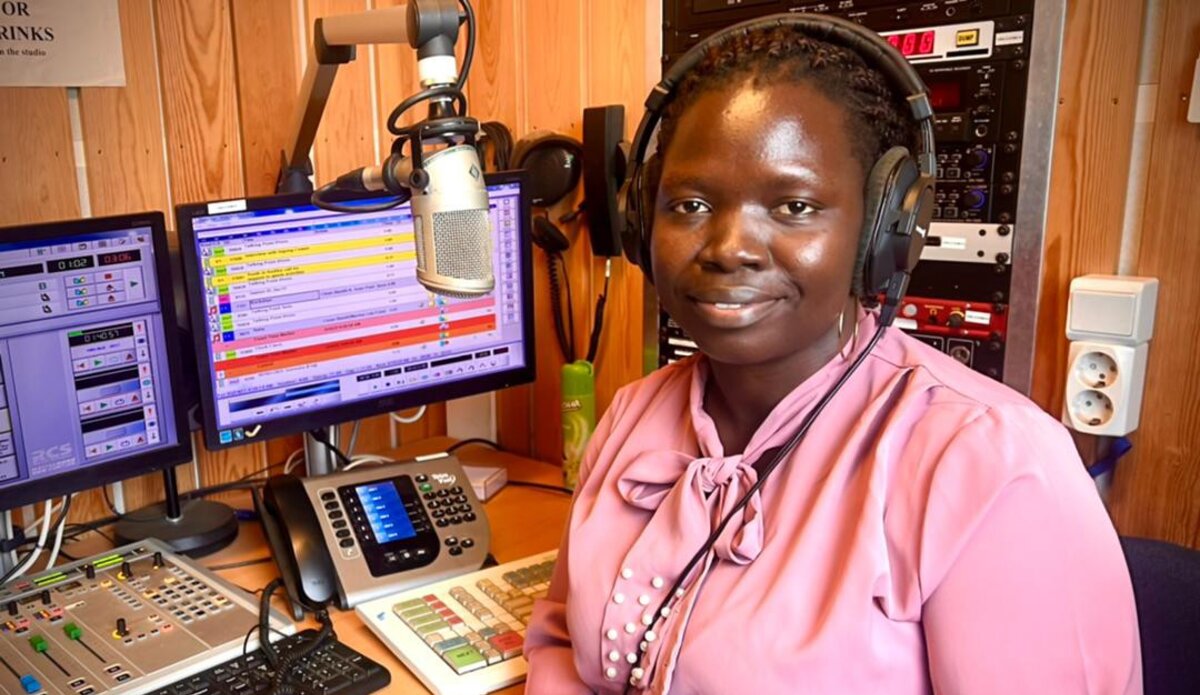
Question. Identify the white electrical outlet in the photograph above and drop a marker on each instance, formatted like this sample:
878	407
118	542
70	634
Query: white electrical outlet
1096	369
1110	319
1104	387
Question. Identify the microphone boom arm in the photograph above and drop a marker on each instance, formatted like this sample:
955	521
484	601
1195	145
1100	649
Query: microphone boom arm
429	26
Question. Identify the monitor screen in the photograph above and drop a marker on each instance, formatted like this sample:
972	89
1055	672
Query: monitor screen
88	351
305	318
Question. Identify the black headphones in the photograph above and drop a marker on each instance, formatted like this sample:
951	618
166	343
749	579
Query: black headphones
555	165
899	192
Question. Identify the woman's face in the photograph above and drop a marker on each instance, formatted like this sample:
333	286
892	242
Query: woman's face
756	222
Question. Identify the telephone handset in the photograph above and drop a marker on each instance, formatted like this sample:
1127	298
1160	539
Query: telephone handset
293	531
350	537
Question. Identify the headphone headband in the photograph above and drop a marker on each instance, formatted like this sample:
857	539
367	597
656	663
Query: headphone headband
863	41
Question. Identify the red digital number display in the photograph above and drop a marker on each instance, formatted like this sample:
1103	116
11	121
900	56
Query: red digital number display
925	45
917	43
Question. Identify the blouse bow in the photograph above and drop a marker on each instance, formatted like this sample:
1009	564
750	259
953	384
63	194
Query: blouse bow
697	493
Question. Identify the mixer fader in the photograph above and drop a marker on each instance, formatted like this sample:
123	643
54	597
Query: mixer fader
127	621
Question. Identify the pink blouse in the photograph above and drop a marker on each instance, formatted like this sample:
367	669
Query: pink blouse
934	532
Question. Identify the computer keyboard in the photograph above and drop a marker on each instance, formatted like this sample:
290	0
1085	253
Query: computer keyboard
464	636
333	669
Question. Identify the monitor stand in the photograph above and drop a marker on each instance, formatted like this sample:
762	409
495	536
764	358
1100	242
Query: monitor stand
319	459
190	527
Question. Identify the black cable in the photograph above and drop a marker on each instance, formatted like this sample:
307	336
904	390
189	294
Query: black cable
435	127
319	435
542	486
109	503
236	565
283	665
246	639
570	310
473	440
566	342
777	455
499	137
260	471
264	622
598	319
318	199
469	54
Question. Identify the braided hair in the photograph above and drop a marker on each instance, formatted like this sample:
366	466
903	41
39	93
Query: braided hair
877	116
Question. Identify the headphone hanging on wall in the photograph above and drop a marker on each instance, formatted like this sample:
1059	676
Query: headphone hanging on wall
899	190
555	166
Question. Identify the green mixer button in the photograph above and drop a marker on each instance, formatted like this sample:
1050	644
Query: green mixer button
72	630
38	643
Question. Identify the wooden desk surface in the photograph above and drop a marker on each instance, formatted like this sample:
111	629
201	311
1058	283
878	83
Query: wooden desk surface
524	521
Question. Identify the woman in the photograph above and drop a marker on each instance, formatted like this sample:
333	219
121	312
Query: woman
933	532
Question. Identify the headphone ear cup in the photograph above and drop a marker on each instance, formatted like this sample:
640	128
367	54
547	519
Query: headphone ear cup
548	236
637	201
555	165
878	255
648	192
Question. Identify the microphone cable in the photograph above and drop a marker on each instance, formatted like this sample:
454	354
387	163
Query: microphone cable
501	141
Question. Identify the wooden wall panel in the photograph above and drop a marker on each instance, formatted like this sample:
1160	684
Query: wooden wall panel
267	49
496	83
37	157
122	127
204	153
1156	492
195	48
1093	138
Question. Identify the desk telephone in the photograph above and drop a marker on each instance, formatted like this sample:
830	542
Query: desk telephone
351	537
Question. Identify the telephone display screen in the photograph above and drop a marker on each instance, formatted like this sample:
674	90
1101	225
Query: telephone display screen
384	509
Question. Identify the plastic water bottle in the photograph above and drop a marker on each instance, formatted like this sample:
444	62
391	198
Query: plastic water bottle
578	416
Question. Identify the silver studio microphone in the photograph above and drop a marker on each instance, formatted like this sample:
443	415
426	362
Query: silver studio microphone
451	225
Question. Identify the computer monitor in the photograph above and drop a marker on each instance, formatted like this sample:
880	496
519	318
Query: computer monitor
89	369
305	318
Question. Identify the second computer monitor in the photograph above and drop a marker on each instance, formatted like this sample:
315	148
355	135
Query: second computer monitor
305	318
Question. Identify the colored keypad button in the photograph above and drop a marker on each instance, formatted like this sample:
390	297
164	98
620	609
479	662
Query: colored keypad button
508	644
452	643
464	659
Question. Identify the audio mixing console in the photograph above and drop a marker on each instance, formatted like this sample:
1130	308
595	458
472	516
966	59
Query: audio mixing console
127	621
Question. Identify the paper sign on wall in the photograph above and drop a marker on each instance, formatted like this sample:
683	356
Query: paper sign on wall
60	43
